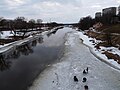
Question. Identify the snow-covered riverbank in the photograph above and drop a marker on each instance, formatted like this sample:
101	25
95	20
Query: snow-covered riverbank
8	46
76	58
99	53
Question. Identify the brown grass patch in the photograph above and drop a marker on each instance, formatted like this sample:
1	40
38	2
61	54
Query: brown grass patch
5	41
113	29
109	55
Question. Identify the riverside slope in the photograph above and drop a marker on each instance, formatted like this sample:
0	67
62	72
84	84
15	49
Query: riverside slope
76	58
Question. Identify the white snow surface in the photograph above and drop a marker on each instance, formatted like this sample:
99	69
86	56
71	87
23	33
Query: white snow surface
5	34
77	57
98	53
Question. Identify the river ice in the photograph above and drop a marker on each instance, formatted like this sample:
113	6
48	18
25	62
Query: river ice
77	57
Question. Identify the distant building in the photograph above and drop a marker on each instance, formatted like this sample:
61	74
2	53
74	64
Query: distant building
119	11
107	14
98	14
118	14
110	10
115	19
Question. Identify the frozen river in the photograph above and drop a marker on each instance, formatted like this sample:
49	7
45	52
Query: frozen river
20	65
77	57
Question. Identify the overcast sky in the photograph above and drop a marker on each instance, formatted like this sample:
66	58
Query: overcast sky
54	10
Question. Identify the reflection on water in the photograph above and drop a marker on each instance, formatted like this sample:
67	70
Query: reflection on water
25	49
49	34
4	64
22	64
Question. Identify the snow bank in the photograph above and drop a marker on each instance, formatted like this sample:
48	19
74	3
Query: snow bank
98	53
5	34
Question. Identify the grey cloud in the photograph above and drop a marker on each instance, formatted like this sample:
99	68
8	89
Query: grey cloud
68	11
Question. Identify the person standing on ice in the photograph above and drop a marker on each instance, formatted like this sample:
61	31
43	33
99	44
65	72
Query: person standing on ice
85	71
75	79
84	79
86	87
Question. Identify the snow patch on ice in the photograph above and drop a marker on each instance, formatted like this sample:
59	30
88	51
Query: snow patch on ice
70	40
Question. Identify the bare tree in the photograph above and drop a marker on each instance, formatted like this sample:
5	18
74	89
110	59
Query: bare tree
39	21
20	25
109	38
86	22
32	24
1	18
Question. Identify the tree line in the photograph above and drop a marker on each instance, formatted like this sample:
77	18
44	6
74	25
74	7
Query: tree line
21	26
19	23
106	19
